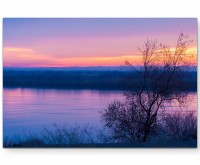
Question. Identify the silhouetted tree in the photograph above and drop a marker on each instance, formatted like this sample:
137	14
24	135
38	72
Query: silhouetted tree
160	79
125	121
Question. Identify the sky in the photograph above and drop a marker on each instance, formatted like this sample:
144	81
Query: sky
71	42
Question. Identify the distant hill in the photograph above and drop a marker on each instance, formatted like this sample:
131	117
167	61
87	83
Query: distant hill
79	77
87	68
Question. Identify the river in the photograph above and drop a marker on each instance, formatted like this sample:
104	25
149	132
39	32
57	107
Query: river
31	110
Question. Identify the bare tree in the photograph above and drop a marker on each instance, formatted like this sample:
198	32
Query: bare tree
125	122
160	79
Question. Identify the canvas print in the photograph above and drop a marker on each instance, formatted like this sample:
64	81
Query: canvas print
100	82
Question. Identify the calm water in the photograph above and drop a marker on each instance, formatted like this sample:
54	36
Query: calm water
33	109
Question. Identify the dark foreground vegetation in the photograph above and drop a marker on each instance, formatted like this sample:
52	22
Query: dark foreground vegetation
79	79
175	130
162	80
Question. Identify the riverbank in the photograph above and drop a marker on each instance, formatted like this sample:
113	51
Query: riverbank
80	79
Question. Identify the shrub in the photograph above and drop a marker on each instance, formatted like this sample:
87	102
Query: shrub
125	121
180	126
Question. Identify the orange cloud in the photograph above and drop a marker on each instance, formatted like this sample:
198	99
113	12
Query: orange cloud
23	57
13	56
97	61
15	50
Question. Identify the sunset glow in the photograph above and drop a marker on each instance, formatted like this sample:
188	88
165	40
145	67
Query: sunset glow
99	82
87	42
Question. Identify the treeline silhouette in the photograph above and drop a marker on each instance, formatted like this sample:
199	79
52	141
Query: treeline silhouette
78	79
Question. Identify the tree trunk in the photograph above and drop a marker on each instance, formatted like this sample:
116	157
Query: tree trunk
146	130
144	138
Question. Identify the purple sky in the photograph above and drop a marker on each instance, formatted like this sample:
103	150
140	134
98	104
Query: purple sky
50	42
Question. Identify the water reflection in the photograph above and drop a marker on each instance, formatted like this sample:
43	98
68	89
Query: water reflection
32	109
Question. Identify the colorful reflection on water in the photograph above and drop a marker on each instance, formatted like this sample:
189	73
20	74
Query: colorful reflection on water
33	109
